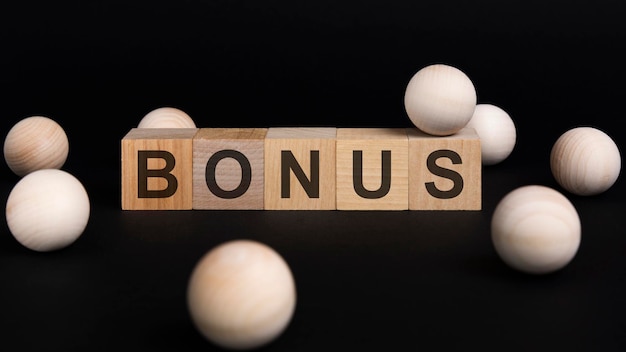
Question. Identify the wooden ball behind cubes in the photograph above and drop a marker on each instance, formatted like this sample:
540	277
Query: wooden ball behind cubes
166	117
497	133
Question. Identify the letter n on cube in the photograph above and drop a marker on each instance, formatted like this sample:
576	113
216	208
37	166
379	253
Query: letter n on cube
300	168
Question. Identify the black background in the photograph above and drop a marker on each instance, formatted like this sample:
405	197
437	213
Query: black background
365	280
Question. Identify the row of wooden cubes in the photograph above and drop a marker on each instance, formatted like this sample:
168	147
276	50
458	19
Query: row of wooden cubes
283	168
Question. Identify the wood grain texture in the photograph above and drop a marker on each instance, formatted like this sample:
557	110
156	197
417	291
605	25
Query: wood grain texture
176	141
47	210
233	161
440	99
35	143
372	143
241	295
535	229
166	117
497	132
585	161
301	144
451	183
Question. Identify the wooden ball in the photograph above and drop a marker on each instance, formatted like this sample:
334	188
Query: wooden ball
166	117
241	295
440	99
497	133
535	229
35	143
585	161
47	210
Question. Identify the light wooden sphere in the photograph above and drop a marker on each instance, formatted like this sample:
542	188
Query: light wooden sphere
166	117
497	133
585	161
47	210
535	229
440	99
241	295
34	143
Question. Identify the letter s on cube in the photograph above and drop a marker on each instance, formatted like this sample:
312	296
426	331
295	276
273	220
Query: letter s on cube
445	173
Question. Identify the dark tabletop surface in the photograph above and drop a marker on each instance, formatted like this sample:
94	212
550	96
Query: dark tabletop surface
365	280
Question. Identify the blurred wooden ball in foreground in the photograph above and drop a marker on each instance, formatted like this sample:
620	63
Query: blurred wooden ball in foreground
497	133
166	117
34	143
440	99
241	295
535	229
47	210
585	161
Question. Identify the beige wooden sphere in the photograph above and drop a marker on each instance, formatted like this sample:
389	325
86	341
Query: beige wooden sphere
47	210
241	295
166	117
535	229
34	143
585	161
440	99
497	133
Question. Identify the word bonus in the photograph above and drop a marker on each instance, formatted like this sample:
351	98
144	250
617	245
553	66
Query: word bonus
284	168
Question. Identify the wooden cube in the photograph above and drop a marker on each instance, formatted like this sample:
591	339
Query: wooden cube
444	172
157	169
372	169
228	168
300	168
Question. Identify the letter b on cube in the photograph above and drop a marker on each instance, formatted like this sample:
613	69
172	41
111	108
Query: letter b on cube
157	169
